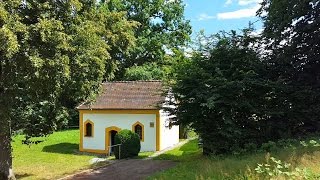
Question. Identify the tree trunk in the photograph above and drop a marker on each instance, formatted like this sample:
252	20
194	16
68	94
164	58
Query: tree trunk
6	171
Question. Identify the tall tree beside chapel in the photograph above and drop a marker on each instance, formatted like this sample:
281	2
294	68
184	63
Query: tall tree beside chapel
291	33
51	50
162	29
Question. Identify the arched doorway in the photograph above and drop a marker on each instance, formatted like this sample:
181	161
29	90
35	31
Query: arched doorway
109	137
112	140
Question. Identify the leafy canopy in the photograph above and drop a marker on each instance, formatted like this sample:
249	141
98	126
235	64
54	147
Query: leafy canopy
220	91
162	28
55	54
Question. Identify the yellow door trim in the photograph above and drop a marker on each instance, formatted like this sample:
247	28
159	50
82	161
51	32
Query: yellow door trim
107	136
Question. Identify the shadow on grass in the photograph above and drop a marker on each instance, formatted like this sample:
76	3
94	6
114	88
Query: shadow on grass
19	176
62	148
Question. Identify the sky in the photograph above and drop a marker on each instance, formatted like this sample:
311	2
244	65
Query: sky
213	16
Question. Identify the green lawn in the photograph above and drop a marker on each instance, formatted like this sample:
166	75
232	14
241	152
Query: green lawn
192	165
58	156
55	157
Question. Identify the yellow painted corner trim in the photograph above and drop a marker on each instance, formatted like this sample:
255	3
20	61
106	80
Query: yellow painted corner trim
142	129
158	134
107	137
118	111
81	131
85	128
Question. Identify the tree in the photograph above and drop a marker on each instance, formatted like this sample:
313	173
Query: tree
147	71
53	52
291	33
221	92
162	29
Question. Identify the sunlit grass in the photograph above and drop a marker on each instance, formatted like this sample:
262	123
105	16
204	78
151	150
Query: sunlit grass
55	157
193	165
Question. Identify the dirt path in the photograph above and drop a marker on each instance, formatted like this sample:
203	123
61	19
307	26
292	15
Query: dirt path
133	169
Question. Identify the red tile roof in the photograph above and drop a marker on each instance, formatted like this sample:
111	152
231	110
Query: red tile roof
128	95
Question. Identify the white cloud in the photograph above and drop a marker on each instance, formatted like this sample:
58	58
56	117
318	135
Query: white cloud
243	2
241	13
228	2
204	16
248	2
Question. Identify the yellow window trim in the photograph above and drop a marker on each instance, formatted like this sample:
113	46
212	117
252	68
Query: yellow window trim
142	129
103	111
85	128
107	137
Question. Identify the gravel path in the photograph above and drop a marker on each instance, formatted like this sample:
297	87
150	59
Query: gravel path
133	169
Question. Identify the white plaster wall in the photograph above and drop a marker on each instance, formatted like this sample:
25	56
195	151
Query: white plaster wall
122	121
169	137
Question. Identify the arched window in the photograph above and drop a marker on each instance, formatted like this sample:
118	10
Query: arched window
139	129
88	128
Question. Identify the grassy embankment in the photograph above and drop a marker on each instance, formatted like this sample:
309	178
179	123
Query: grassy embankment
193	165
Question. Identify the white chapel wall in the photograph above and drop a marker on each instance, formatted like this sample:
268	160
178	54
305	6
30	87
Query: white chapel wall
122	121
169	136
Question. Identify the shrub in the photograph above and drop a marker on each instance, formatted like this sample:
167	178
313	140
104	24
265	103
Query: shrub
276	169
130	144
270	146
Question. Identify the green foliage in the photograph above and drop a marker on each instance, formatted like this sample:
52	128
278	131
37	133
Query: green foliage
222	93
162	29
147	71
275	169
233	97
130	144
269	146
290	32
55	55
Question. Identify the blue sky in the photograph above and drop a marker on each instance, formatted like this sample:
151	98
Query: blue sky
215	15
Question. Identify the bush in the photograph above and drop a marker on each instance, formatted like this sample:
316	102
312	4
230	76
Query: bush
270	146
130	144
276	169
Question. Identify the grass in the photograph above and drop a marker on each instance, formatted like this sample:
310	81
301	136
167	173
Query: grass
193	165
55	157
143	155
